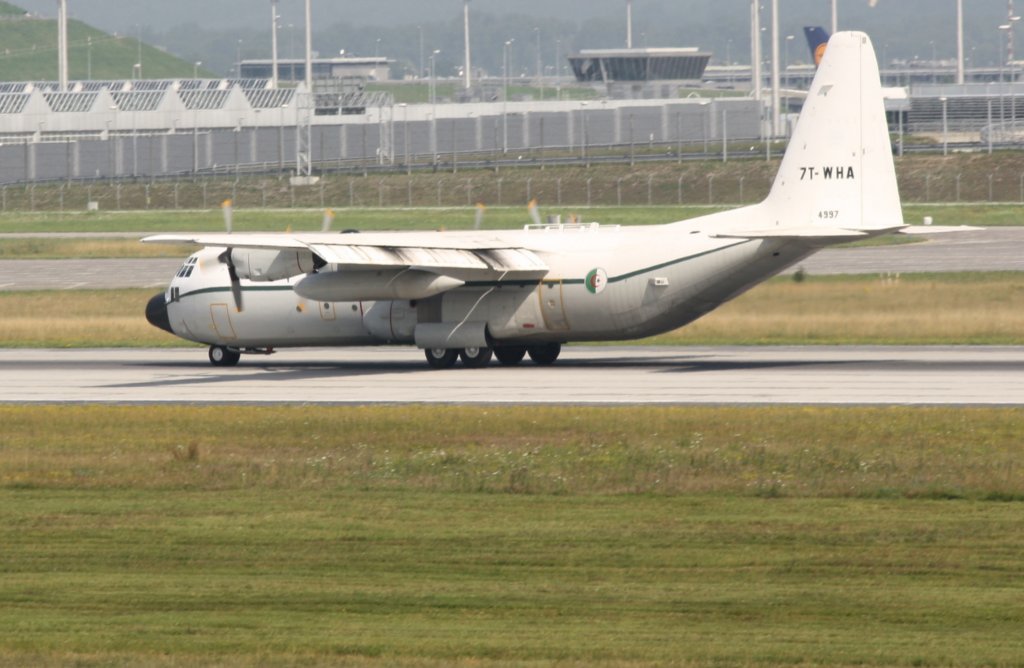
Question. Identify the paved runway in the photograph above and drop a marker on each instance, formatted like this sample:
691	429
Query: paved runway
596	375
994	249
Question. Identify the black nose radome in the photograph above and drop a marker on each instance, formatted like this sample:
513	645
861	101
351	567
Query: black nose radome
156	313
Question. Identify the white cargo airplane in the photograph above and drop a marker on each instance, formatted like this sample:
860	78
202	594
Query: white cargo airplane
474	294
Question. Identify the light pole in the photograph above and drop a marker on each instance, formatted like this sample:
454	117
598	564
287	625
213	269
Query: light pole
376	49
433	102
755	52
405	135
776	83
629	24
540	74
273	43
115	148
945	127
238	60
433	83
558	69
586	138
704	124
1004	57
504	100
468	74
195	69
960	42
934	63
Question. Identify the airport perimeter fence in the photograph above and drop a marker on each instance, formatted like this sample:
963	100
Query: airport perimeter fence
575	188
634	189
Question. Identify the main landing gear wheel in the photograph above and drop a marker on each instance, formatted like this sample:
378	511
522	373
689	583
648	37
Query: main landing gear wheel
545	353
224	356
441	358
475	358
510	355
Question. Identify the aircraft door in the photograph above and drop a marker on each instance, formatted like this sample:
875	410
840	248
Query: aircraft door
552	307
221	317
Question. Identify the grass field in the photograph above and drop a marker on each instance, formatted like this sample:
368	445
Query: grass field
952	309
428	536
429	218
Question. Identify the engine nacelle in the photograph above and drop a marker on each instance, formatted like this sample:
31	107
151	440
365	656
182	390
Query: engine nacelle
257	264
362	285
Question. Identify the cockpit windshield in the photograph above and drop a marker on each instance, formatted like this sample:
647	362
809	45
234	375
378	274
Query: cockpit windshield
187	268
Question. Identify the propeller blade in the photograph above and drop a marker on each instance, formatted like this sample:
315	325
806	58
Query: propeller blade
228	211
534	213
328	219
236	285
480	208
236	288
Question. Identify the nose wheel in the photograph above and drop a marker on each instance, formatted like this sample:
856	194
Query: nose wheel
224	356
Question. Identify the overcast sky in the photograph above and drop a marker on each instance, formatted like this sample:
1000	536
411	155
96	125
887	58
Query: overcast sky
209	30
159	15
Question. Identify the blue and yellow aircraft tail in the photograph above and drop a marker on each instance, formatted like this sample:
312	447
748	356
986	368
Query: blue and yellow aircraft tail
817	40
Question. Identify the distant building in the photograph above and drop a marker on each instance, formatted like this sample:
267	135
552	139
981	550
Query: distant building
294	69
640	73
639	65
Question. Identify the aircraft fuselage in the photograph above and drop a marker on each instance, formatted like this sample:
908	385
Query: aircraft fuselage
604	283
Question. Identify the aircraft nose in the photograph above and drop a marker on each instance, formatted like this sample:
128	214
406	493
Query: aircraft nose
156	313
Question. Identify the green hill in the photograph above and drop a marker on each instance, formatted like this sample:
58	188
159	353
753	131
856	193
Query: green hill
29	52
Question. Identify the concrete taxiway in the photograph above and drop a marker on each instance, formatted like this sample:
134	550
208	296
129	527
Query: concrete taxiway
598	375
993	249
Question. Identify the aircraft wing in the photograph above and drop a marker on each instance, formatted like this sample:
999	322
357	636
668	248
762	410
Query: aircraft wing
466	256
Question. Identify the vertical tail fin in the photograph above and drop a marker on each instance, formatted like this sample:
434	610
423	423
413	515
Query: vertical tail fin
838	170
817	40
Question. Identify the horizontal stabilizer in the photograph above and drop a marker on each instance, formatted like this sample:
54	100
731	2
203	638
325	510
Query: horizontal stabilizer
937	229
808	232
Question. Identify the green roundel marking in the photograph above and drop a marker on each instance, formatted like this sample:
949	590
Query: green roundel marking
596	281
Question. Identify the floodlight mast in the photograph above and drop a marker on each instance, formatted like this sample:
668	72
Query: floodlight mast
62	43
960	42
629	24
468	76
273	43
309	46
755	50
776	109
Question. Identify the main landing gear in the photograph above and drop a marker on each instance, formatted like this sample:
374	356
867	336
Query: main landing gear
474	358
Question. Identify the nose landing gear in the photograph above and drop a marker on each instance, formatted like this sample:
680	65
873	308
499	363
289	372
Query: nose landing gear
224	356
